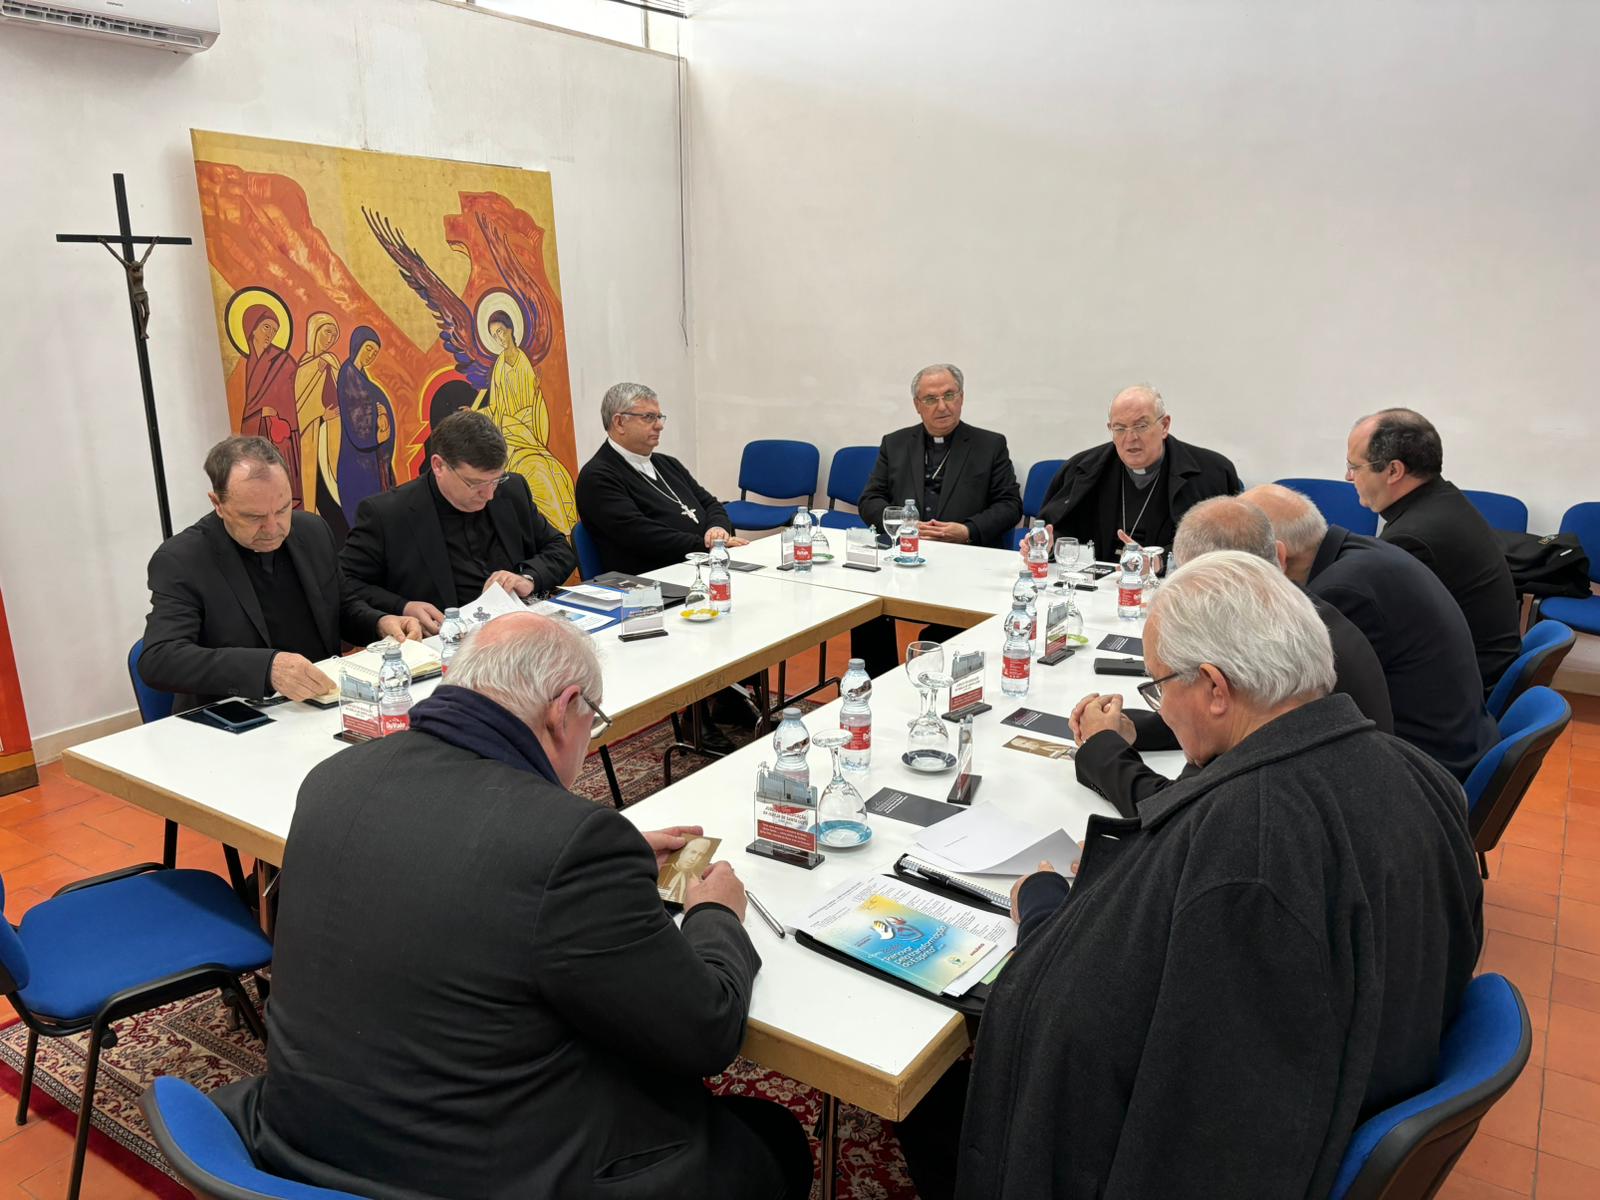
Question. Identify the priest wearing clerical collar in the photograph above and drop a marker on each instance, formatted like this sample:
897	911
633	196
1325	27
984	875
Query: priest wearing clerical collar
643	510
960	476
1137	486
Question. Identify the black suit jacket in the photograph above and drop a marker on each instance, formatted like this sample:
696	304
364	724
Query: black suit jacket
980	484
206	636
1420	637
477	992
396	552
635	527
1444	531
1193	474
1112	767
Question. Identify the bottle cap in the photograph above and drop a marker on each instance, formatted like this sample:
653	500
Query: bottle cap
856	664
792	714
451	612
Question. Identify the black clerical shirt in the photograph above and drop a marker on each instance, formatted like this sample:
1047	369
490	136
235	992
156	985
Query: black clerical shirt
934	453
290	625
1143	512
474	547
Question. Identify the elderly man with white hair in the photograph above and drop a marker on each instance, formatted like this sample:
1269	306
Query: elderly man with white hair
1416	628
1268	954
644	509
1110	736
1138	485
476	989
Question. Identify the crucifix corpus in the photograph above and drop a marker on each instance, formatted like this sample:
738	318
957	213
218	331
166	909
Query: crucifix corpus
120	246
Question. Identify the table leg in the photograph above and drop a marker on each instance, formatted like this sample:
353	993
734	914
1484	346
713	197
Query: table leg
828	1135
266	884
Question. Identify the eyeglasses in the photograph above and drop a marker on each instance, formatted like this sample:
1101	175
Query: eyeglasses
1351	468
1151	691
1140	427
654	418
935	401
478	485
601	722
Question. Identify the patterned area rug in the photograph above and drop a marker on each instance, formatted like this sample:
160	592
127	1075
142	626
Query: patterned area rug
191	1039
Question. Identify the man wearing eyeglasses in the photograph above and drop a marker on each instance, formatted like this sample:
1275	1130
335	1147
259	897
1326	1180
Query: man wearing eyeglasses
1137	486
477	991
1394	458
438	541
643	510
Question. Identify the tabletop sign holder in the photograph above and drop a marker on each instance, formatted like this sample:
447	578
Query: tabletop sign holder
786	820
966	689
358	704
786	548
641	614
966	784
861	550
1056	628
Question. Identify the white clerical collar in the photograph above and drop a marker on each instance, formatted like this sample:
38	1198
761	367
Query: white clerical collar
640	462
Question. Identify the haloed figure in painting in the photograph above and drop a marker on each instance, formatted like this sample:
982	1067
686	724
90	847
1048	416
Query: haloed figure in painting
366	443
269	392
516	405
316	395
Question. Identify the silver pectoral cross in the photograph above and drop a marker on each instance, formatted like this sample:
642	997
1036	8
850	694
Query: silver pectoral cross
688	512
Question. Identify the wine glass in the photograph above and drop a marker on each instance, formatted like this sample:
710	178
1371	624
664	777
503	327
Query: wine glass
697	604
819	538
894	516
1066	559
928	743
841	812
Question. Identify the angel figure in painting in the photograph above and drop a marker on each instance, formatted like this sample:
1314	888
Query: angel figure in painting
497	349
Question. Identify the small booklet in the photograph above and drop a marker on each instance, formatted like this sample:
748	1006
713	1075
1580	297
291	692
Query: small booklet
588	595
1035	721
909	807
937	945
1118	643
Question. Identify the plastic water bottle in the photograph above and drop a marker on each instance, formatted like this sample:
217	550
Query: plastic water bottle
802	540
1037	547
910	530
855	716
1130	585
1025	595
720	588
451	634
394	692
791	743
1016	657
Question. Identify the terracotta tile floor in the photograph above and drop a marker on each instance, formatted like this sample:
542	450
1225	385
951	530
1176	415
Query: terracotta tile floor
1542	915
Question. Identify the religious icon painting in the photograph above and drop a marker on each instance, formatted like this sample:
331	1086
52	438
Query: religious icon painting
361	298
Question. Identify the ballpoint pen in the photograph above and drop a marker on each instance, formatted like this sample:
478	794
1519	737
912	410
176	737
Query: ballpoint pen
761	909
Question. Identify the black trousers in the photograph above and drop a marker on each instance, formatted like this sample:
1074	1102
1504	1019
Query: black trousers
758	1150
931	1135
875	642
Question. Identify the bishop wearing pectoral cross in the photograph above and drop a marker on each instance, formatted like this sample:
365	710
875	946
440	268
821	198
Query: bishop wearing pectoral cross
643	509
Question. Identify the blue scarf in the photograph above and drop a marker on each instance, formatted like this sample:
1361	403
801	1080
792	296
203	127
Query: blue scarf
474	722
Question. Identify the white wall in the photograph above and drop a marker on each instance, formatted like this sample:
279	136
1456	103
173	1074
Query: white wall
1283	215
77	513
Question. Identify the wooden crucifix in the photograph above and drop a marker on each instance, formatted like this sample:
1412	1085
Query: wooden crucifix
139	309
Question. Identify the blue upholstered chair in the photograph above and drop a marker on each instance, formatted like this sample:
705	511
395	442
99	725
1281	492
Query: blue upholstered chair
1407	1150
1543	648
109	947
207	1153
1337	501
152	706
847	479
588	556
1500	510
1497	784
779	469
1582	613
1033	491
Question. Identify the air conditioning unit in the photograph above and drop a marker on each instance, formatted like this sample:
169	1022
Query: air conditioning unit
185	26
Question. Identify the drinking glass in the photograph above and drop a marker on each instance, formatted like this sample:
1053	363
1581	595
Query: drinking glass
928	742
923	659
894	516
697	604
841	812
1066	559
819	537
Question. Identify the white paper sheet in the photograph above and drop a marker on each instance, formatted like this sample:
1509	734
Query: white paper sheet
986	839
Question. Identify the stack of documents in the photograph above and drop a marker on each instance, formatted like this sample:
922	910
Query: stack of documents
985	841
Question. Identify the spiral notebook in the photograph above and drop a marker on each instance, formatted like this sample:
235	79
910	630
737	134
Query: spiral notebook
988	890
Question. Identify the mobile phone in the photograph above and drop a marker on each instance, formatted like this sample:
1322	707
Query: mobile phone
1119	666
235	716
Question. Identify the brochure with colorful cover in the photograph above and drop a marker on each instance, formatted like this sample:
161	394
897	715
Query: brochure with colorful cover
902	941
